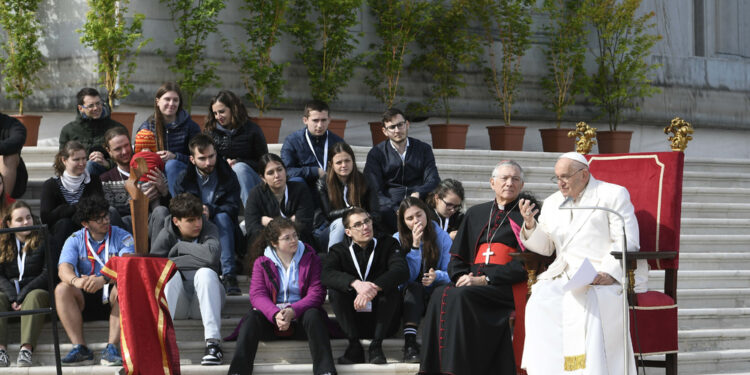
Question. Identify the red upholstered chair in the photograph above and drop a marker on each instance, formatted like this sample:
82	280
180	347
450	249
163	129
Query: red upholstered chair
654	181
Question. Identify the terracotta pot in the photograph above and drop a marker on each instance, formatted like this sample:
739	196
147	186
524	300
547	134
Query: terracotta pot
557	140
376	131
508	138
449	135
338	127
200	120
614	142
31	122
270	127
125	118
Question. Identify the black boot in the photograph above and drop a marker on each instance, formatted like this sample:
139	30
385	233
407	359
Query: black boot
354	353
411	349
377	357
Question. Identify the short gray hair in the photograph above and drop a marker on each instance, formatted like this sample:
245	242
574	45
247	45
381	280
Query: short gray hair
511	163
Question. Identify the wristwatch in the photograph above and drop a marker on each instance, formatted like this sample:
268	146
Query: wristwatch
487	278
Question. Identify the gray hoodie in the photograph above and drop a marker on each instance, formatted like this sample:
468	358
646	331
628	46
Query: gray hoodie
189	256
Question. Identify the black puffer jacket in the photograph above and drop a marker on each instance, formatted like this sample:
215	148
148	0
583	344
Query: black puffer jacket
245	143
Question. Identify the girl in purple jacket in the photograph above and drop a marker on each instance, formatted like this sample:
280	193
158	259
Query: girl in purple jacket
287	297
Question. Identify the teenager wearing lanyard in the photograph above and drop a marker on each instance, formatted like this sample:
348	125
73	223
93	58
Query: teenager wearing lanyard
305	152
276	197
84	293
287	297
362	280
23	280
343	187
445	205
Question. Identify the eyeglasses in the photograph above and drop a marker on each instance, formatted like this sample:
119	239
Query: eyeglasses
293	237
101	219
398	126
514	179
360	224
564	179
450	206
92	105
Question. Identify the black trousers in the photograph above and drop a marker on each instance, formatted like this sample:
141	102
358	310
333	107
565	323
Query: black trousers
311	326
415	302
380	323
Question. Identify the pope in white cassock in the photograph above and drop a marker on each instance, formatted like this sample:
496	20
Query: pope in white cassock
579	331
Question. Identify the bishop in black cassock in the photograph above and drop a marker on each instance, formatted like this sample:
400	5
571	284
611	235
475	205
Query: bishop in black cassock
466	329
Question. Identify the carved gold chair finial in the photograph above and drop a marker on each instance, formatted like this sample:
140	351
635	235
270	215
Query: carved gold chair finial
681	131
586	137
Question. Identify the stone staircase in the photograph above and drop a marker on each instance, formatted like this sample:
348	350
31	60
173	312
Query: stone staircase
713	286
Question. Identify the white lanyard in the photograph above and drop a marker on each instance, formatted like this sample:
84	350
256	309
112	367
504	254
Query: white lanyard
123	172
286	201
346	201
369	262
21	260
443	225
325	150
286	276
105	290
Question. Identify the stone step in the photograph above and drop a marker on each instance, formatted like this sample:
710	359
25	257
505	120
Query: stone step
715	210
272	352
260	369
698	340
691	225
708	362
702	279
713	318
702	243
715	298
714	261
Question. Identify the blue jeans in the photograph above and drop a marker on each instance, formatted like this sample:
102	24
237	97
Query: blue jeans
247	177
336	232
172	169
94	168
226	239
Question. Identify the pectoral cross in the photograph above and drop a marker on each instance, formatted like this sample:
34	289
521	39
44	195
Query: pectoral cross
487	253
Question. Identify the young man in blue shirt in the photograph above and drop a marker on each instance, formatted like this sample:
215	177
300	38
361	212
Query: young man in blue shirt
84	293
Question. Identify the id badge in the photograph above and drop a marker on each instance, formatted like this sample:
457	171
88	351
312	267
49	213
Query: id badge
282	306
105	296
18	286
367	308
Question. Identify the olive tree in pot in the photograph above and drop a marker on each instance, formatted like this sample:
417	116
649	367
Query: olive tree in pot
621	79
263	78
194	23
321	29
23	59
446	45
505	24
397	23
117	46
565	52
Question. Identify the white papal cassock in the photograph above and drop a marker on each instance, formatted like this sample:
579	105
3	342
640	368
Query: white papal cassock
580	331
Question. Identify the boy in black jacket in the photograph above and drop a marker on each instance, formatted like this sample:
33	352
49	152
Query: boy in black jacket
362	280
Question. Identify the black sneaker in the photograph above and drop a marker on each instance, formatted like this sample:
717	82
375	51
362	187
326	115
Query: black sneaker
213	355
376	355
411	352
354	353
231	286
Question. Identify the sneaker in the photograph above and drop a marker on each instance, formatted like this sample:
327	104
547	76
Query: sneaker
354	353
411	352
4	360
111	356
24	358
80	355
213	354
231	286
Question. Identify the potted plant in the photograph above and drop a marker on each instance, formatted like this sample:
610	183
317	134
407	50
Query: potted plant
565	52
509	23
621	78
321	29
263	78
23	59
194	22
446	45
397	23
114	41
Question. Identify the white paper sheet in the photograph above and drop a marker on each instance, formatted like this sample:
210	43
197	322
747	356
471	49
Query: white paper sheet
584	276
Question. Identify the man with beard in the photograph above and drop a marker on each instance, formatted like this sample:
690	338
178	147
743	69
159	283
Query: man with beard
89	127
213	180
480	299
